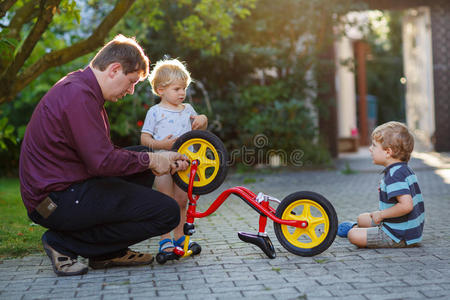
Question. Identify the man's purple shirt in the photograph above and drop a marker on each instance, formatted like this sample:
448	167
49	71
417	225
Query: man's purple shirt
67	140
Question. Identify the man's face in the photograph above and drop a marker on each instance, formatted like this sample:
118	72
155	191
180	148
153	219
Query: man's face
120	84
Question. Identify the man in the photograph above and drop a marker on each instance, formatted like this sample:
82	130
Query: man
95	198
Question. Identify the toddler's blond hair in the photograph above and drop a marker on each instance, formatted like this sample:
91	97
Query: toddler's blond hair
166	72
395	135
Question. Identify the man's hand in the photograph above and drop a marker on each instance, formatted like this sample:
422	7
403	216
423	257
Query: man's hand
178	161
199	122
376	216
164	162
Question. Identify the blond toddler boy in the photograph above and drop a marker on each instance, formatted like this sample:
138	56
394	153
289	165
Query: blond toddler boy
400	219
164	123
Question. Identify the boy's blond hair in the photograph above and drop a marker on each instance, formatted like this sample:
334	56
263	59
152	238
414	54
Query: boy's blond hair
166	72
395	135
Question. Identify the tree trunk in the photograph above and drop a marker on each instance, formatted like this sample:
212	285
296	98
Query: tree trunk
5	5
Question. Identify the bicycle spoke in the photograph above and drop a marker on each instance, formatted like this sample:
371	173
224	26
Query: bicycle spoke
202	151
316	220
297	233
306	213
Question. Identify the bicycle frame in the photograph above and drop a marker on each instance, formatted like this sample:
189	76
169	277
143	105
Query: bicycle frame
261	206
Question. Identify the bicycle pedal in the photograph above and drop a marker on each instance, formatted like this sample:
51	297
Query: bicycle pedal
262	242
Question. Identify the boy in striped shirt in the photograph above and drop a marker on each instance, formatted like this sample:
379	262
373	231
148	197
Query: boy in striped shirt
400	218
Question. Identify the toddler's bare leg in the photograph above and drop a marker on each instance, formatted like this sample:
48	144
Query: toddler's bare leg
164	185
182	198
358	236
365	220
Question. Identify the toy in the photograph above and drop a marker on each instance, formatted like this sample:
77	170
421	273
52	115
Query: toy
305	223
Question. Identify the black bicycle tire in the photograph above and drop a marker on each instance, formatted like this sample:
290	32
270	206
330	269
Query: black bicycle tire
223	163
329	210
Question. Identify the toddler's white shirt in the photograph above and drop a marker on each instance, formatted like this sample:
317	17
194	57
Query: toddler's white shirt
161	122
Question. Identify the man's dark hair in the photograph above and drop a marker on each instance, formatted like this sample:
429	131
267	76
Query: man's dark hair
125	51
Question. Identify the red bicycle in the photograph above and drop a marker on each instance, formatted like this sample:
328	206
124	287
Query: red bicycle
305	222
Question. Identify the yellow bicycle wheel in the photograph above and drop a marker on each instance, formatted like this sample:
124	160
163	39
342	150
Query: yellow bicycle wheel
210	153
322	223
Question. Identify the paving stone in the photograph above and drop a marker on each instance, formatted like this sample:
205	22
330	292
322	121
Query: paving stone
402	295
435	293
229	268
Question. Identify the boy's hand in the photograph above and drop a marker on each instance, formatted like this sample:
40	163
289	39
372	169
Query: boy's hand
199	122
167	142
376	216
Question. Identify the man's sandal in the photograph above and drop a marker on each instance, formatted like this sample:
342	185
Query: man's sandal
63	265
131	258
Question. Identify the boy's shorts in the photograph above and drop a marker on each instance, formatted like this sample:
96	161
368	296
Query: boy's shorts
377	238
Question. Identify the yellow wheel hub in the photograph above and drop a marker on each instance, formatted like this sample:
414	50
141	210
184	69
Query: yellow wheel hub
208	158
318	223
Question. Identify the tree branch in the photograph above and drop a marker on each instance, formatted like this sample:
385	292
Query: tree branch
9	77
23	15
5	6
45	17
60	57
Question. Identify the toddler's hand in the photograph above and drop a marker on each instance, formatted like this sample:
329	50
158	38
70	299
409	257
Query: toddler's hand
167	142
199	122
376	217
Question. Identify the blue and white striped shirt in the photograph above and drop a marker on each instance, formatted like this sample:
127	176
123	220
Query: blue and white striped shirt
398	180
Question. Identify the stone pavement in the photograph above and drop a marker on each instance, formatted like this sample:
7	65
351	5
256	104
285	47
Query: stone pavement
230	269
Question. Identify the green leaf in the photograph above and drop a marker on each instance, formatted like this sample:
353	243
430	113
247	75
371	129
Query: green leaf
9	130
3	122
21	132
10	41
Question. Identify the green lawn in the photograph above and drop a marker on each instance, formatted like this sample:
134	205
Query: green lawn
19	236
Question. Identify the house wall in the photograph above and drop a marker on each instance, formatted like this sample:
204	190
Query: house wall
440	41
345	87
440	27
418	69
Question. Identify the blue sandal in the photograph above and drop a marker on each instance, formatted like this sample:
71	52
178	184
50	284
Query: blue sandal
344	228
180	242
165	244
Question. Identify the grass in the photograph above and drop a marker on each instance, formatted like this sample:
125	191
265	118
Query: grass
19	236
348	170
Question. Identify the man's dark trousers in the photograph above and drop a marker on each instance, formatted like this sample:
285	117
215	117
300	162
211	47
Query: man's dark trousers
101	217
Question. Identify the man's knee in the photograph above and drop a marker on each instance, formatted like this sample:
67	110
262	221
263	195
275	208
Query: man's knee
173	213
169	216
